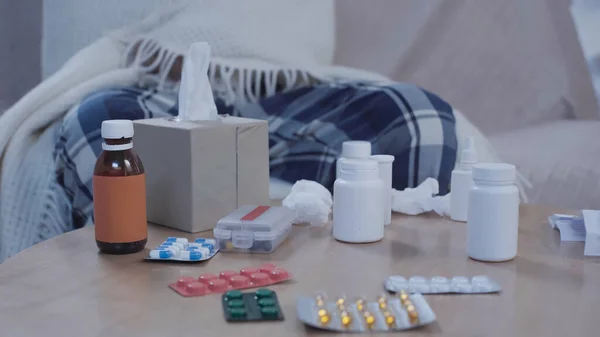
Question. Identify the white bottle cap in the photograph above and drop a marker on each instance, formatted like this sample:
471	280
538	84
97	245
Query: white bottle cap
356	149
359	165
117	129
469	155
494	172
383	158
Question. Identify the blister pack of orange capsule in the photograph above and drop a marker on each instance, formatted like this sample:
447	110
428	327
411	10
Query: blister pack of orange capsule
383	314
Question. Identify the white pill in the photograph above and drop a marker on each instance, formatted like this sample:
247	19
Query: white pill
464	287
482	287
460	280
420	288
439	280
480	279
397	279
440	288
417	280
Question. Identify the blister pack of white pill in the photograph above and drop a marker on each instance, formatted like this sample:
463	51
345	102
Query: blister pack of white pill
442	285
181	249
385	314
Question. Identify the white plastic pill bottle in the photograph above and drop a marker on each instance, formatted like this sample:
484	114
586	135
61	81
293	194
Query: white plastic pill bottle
493	215
357	202
353	149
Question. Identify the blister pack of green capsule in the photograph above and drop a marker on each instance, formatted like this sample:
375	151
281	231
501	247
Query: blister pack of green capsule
259	305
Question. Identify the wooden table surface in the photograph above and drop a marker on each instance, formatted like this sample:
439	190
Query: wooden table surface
63	287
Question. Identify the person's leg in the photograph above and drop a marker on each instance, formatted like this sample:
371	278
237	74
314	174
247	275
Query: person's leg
80	143
307	127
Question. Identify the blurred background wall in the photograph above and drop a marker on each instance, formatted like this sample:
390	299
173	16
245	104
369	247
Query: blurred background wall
20	47
21	25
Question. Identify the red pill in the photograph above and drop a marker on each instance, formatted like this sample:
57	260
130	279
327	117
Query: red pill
267	267
249	271
260	279
218	285
185	280
196	288
205	278
239	281
279	274
226	275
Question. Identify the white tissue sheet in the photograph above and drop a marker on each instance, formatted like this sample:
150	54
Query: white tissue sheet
421	199
311	201
196	100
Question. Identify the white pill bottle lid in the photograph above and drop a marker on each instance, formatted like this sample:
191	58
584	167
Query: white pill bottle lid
494	173
117	129
356	149
359	169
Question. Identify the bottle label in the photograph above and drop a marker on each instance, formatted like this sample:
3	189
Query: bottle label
120	208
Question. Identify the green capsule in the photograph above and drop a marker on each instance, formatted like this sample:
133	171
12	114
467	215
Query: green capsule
237	312
269	311
266	302
262	293
235	304
233	295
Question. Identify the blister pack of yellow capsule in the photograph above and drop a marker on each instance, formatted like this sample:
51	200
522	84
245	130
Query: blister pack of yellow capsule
384	313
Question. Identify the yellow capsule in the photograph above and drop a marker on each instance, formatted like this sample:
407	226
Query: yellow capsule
324	319
403	296
369	319
413	316
319	300
322	312
390	320
360	304
340	302
382	302
346	319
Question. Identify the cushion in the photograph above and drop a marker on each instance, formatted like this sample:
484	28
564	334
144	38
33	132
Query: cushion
505	64
560	159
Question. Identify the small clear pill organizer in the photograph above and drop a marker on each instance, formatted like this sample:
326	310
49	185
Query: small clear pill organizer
254	229
180	249
442	285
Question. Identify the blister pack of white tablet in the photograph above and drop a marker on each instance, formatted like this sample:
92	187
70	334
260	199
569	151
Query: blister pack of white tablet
386	314
442	285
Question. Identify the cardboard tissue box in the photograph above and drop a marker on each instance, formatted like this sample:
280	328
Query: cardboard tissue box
199	171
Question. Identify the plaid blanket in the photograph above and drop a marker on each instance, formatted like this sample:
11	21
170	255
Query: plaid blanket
307	127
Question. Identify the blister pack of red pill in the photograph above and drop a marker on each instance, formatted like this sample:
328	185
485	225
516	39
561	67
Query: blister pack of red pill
250	277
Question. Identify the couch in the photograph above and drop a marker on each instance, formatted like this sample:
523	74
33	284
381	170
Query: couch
514	67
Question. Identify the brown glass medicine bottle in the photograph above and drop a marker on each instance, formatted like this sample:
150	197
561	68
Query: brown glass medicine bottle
119	190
